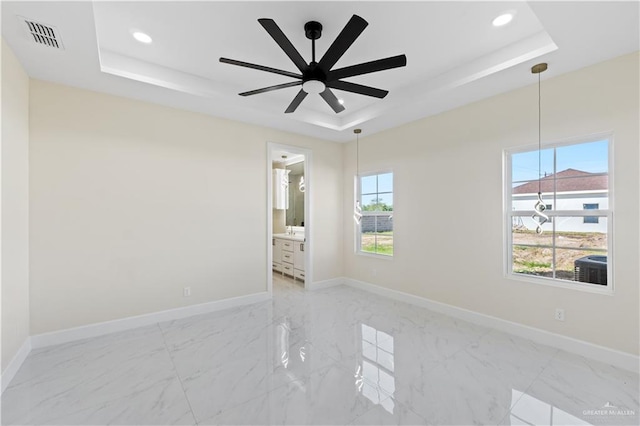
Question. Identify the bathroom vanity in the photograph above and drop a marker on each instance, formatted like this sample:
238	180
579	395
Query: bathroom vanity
288	254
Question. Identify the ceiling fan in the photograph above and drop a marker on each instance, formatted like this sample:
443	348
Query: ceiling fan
318	77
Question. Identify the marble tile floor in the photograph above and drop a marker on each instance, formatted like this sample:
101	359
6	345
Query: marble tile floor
334	356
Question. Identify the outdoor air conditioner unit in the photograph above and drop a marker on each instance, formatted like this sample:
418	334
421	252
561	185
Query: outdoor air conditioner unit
591	269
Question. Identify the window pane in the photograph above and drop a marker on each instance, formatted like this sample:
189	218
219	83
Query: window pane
524	165
581	265
384	243
592	157
582	192
524	228
384	235
368	184
533	261
368	242
368	234
377	234
376	228
571	232
377	202
385	182
526	235
579	182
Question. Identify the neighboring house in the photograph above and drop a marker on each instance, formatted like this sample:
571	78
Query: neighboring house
575	190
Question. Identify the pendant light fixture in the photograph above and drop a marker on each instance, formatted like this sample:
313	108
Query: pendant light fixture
301	185
538	216
357	211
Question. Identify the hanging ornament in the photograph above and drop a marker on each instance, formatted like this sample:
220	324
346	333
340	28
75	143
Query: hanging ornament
357	213
539	217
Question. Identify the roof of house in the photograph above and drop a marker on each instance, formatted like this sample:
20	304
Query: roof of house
566	181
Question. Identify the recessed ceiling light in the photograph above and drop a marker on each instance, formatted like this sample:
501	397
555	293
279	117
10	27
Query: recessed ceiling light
503	19
341	101
142	37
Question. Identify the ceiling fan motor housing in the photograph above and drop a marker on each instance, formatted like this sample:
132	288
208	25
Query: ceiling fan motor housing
313	30
314	72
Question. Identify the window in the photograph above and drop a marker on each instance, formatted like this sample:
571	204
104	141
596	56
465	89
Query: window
375	233
575	245
590	206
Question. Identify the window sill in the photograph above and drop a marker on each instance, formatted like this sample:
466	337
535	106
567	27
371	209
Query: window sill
374	255
588	288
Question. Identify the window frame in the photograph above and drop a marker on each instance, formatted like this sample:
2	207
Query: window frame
607	213
358	196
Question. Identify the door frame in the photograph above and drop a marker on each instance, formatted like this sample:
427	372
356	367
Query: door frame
308	208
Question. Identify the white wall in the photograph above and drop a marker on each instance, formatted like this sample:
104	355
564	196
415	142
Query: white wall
449	221
15	205
131	202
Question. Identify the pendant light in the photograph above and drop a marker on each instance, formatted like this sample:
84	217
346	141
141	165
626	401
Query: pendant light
538	216
301	185
357	211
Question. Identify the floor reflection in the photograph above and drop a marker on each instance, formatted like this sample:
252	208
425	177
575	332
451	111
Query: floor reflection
374	373
290	356
531	411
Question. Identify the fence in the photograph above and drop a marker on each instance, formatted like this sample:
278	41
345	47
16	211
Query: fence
385	223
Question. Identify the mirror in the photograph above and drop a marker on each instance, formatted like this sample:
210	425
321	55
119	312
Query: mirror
295	212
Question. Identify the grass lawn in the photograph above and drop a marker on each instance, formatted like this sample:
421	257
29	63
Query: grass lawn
378	243
539	260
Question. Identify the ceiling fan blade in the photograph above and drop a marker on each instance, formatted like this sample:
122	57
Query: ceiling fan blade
271	88
358	88
345	39
368	67
259	67
331	99
276	33
296	101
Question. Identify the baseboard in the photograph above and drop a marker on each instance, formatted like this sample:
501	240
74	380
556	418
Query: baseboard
613	357
9	373
326	283
102	328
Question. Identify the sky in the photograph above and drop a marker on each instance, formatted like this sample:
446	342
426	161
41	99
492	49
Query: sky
377	186
590	157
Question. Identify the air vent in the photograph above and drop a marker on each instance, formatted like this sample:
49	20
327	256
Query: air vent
42	33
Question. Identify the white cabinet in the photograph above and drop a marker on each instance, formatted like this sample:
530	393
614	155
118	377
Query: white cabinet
281	189
277	254
288	257
298	259
298	254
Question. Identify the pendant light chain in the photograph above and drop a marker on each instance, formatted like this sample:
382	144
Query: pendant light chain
539	139
539	217
357	210
358	155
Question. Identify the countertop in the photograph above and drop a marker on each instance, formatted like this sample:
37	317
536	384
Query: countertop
292	237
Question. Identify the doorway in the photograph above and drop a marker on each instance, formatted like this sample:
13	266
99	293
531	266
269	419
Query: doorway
289	186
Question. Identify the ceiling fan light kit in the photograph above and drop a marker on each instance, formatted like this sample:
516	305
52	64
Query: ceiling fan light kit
319	77
314	86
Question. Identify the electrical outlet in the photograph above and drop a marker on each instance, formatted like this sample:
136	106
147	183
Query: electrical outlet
186	292
559	314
